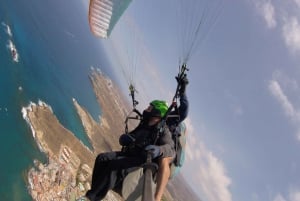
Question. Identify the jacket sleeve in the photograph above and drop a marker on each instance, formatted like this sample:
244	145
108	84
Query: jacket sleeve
183	108
166	144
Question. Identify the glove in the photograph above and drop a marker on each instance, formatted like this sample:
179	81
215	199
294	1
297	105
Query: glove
182	82
126	139
154	150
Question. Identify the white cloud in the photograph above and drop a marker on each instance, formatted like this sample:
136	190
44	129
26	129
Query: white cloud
210	177
290	110
297	2
282	98
279	198
298	135
267	10
287	82
294	195
285	15
291	33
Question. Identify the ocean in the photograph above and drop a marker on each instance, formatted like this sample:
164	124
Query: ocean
55	53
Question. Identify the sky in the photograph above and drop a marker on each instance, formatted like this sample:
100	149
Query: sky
244	92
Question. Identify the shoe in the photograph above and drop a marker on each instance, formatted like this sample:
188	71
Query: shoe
83	198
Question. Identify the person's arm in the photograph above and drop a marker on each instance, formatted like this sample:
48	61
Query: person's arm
184	103
183	108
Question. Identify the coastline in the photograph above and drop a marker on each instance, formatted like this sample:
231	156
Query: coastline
67	175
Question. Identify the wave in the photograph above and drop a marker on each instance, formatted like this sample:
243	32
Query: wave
29	108
11	46
8	29
24	111
13	50
6	110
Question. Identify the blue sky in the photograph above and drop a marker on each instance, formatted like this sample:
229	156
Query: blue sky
244	92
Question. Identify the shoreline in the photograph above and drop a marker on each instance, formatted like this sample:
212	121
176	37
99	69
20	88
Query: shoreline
67	174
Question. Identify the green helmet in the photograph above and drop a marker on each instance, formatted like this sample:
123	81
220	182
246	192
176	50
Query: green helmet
160	108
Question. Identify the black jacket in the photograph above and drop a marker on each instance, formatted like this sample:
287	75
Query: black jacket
144	135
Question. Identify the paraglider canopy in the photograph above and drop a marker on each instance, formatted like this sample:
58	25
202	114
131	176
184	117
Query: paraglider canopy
104	14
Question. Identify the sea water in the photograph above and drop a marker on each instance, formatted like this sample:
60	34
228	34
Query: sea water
56	51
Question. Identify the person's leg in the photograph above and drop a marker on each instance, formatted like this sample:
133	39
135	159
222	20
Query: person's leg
101	176
162	178
105	172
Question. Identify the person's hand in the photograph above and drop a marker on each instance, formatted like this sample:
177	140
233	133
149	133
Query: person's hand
125	140
182	82
154	150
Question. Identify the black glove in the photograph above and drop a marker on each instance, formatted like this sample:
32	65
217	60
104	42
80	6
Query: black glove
182	82
126	139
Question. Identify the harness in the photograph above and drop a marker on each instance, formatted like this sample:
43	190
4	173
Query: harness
164	121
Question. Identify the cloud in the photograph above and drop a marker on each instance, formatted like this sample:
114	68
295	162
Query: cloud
282	98
298	135
285	16
276	88
297	2
267	10
286	82
279	198
294	195
291	33
210	176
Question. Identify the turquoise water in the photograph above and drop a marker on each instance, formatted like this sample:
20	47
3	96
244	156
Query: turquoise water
56	50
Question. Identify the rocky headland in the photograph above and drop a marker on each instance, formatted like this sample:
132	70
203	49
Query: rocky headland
67	175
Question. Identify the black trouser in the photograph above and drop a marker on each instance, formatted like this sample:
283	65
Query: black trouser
107	172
